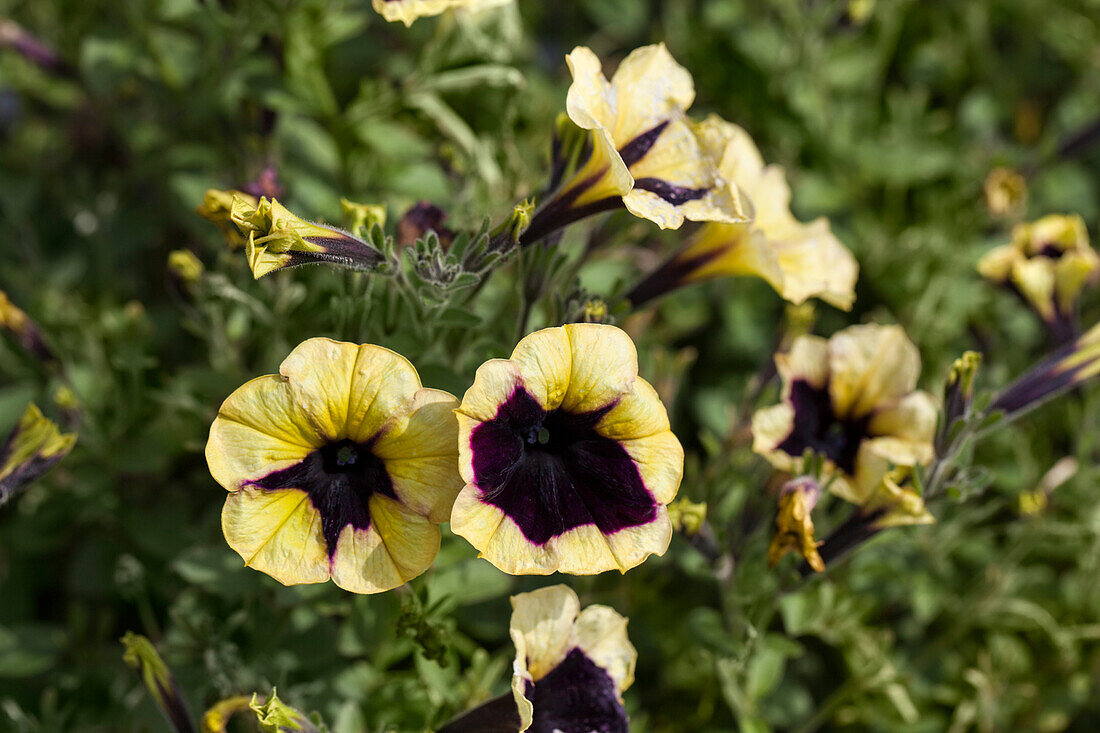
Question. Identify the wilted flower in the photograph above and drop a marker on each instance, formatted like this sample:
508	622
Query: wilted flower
794	528
1005	193
142	655
641	151
567	456
1070	365
852	400
217	208
25	330
278	239
1048	263
32	448
407	11
799	260
339	466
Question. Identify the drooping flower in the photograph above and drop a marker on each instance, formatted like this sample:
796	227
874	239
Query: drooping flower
340	466
32	448
567	456
640	150
140	653
852	400
278	239
799	260
1048	263
794	527
1005	193
407	11
570	670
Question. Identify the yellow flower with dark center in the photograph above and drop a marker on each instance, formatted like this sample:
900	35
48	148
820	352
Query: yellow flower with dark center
794	527
799	260
567	456
571	666
277	239
1048	263
641	151
851	399
340	466
32	448
407	11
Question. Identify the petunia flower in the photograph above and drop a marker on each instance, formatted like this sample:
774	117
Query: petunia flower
570	670
277	239
567	456
852	400
799	260
1048	263
341	466
32	448
641	151
407	11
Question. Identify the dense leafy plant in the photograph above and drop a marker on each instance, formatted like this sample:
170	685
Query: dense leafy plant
116	118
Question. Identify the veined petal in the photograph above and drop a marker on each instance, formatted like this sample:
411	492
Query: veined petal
319	373
660	461
399	545
870	365
422	459
278	533
494	383
638	414
603	368
383	385
545	362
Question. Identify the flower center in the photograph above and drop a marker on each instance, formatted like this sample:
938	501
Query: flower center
818	429
340	479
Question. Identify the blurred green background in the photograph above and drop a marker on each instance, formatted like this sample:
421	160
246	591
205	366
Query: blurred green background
888	117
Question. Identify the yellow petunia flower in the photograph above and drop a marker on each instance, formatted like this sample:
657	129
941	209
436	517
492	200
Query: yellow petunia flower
567	456
341	466
32	448
1048	263
407	11
277	239
799	260
852	400
571	666
641	150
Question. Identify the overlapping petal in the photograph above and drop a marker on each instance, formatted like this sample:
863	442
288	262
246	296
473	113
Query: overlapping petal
567	456
340	466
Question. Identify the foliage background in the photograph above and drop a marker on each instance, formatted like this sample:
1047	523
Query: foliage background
888	116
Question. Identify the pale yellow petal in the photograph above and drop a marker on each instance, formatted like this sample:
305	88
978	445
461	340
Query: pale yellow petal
807	361
660	462
601	635
649	87
911	418
996	264
638	414
588	101
494	383
603	369
278	533
383	387
870	366
1071	274
770	427
319	374
545	362
815	264
542	627
1034	279
630	547
399	545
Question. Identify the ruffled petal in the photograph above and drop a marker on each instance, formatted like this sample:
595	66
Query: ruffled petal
814	264
660	461
494	383
319	375
638	414
383	387
601	635
870	365
545	362
278	533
